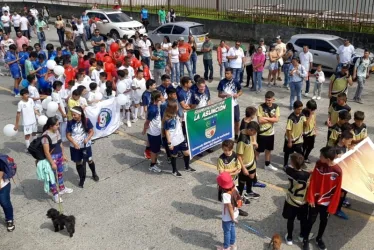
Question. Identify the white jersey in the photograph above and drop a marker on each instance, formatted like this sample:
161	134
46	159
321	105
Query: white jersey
34	93
136	83
127	82
27	110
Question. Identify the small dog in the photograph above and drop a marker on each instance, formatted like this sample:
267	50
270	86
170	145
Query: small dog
276	242
60	221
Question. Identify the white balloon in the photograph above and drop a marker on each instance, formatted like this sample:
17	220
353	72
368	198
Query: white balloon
51	64
52	107
46	101
122	99
59	70
50	114
121	88
98	96
42	120
9	130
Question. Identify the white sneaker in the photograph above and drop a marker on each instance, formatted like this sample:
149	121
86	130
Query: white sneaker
56	199
129	124
66	191
134	120
271	167
142	117
155	169
288	242
306	94
17	96
318	98
314	97
311	236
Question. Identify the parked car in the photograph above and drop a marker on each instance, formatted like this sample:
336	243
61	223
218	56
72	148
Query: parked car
324	49
115	22
177	30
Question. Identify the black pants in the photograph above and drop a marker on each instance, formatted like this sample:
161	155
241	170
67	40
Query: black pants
332	100
344	194
26	33
245	180
312	217
249	70
7	30
61	36
16	29
137	54
298	148
208	68
308	145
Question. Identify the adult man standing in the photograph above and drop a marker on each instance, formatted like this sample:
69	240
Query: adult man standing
5	19
235	56
16	21
162	16
185	52
159	63
344	54
34	12
339	83
86	24
96	41
207	49
21	40
281	50
24	26
82	32
361	72
306	59
5	8
144	17
145	49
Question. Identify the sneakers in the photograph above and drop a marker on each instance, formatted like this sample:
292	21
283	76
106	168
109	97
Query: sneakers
306	94
142	117
134	120
155	169
243	213
285	168
306	245
66	191
311	236
252	195
279	78
57	199
10	226
259	184
190	169
346	203
95	178
341	215
318	98
288	240
129	124
17	96
177	174
321	244
233	247
147	154
314	97
271	167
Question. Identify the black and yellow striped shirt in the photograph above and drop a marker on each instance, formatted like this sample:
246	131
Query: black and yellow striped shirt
295	124
298	184
245	148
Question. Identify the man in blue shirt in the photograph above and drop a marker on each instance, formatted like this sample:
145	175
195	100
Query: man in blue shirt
229	87
184	99
165	84
96	41
85	19
201	97
144	17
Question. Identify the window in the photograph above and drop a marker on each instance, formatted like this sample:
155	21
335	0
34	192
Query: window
119	17
101	16
197	30
324	46
92	14
337	42
165	29
302	42
178	30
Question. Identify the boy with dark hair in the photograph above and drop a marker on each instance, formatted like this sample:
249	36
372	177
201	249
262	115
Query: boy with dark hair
250	114
146	100
336	130
267	114
309	133
337	107
184	99
165	84
324	188
200	96
359	128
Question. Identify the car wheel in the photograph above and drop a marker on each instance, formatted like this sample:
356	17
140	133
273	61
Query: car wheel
115	35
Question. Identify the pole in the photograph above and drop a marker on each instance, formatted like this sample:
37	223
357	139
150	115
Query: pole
217	5
169	4
130	5
356	11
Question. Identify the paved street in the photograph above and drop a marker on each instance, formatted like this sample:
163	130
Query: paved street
132	208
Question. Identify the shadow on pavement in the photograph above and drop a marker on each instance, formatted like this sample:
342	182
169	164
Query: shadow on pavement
32	189
199	211
196	237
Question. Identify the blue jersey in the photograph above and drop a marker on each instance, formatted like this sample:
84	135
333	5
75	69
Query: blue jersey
52	54
41	52
23	55
154	118
43	84
146	98
200	99
163	89
144	13
11	56
163	107
229	87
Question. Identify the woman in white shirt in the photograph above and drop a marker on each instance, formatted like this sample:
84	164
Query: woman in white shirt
166	47
174	60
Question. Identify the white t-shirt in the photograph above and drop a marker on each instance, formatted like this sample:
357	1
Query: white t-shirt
16	20
77	84
95	76
34	93
127	83
144	47
136	83
320	76
226	199
174	55
5	20
5	8
27	110
34	12
64	94
362	66
7	43
80	28
306	59
91	98
165	47
23	23
130	70
57	98
281	48
345	53
224	54
236	63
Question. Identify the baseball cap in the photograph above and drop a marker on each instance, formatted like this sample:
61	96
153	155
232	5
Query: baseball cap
181	38
145	34
262	39
224	180
278	37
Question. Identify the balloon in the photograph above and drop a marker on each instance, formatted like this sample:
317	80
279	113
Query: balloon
122	99
121	88
52	107
46	101
9	130
108	59
109	67
42	120
59	70
50	114
114	47
51	64
98	96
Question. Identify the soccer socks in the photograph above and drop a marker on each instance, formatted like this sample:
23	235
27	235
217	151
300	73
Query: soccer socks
92	167
27	143
174	164
186	162
128	116
81	169
136	113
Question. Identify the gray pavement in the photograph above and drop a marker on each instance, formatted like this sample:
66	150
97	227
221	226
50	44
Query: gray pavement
131	208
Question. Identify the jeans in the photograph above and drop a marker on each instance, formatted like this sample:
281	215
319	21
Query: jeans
317	88
286	70
188	66
229	233
360	87
236	74
5	202
26	33
295	91
157	73
257	80
241	75
175	72
78	42
339	67
222	69
193	61
307	86
87	31
61	36
208	68
147	60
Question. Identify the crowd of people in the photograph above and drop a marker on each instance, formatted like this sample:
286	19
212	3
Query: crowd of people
121	69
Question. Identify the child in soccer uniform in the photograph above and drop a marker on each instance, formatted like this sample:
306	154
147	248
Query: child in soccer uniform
138	86
124	80
146	100
295	205
102	82
91	98
334	110
12	60
359	128
309	133
250	114
294	132
323	194
26	108
34	93
336	130
267	114
245	150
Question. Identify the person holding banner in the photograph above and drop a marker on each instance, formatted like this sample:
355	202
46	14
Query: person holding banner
184	94
359	127
229	87
201	97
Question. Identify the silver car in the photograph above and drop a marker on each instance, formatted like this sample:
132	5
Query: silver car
179	29
324	49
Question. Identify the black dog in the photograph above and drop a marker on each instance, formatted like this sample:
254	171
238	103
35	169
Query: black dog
60	221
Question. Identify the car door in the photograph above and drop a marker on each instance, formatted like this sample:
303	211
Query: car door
178	32
157	35
325	54
103	23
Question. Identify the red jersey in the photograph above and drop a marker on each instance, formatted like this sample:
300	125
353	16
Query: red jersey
325	186
100	56
69	74
81	63
146	73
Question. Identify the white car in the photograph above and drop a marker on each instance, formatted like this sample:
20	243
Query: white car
115	22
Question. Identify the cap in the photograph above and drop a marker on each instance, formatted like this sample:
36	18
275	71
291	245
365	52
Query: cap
181	38
345	66
278	37
224	180
262	40
145	34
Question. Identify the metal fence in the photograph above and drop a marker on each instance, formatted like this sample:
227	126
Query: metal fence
347	15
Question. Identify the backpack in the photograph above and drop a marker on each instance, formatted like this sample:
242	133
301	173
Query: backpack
10	166
36	148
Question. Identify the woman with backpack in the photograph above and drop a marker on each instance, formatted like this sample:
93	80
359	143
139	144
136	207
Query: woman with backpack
79	132
54	153
5	202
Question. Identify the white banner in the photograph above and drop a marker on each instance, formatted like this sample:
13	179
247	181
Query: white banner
105	117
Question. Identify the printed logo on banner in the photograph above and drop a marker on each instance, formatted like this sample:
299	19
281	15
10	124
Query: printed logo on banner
104	118
210	129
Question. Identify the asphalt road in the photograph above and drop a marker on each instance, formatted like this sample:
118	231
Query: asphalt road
131	208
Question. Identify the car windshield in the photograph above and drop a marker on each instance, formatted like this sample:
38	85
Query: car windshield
197	30
119	17
337	42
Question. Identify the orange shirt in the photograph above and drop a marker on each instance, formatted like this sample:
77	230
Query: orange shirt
184	52
146	73
69	74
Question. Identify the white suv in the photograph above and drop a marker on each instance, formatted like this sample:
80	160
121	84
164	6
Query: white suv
115	22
